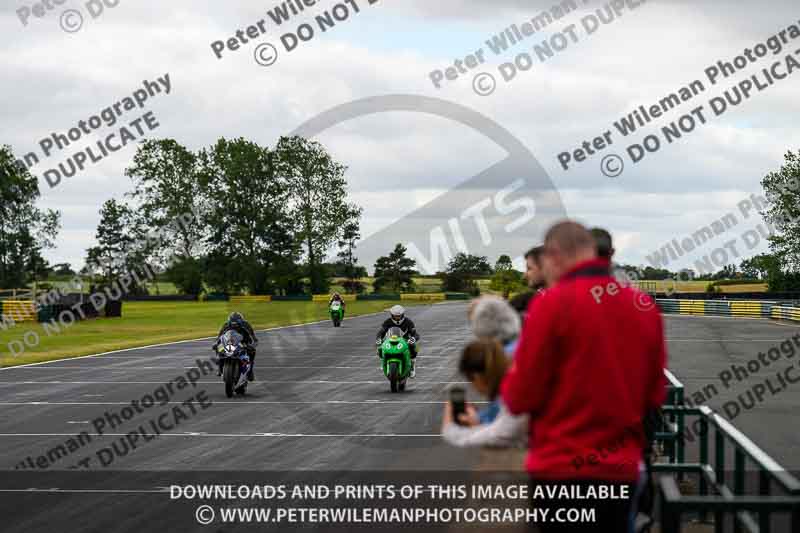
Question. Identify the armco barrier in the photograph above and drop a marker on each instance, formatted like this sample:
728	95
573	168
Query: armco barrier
432	296
291	298
326	297
785	313
757	309
238	300
386	296
457	296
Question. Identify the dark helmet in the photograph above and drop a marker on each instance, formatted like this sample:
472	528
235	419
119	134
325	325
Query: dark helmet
235	317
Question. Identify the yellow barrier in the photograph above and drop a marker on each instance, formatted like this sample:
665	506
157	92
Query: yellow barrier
326	297
786	313
650	287
746	309
692	307
236	300
430	296
19	310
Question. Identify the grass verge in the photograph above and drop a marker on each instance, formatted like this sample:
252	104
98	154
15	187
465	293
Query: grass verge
146	323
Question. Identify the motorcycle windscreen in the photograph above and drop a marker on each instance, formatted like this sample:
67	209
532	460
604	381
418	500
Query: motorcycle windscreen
231	337
394	332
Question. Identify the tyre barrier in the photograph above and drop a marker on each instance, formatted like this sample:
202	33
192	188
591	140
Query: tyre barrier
742	308
18	310
325	298
238	300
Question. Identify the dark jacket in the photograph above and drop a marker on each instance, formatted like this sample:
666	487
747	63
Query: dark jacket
242	327
588	368
409	330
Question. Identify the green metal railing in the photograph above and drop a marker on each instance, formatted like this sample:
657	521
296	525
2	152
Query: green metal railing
670	435
714	494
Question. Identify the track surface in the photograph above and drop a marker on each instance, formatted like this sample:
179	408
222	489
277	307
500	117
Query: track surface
322	404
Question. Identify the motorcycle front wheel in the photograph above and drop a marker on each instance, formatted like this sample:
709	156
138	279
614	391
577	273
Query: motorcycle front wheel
230	375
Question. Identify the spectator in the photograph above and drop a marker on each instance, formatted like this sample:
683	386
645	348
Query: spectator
535	279
588	371
533	268
603	243
484	363
492	316
605	250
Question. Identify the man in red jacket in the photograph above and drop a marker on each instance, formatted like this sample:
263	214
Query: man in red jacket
588	369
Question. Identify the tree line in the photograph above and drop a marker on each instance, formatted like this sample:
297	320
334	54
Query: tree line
266	219
262	219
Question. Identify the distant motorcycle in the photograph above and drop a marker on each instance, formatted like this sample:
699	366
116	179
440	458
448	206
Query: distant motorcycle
337	313
235	360
395	359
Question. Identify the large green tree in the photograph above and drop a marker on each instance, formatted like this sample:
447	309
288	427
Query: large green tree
250	237
782	189
318	202
462	270
122	247
394	271
170	196
25	229
347	260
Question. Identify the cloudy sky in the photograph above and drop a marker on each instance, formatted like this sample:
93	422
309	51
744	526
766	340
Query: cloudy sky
419	160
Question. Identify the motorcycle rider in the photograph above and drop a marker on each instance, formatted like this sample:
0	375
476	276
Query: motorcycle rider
336	297
398	319
237	323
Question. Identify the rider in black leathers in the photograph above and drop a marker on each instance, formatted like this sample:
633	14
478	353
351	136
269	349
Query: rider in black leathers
237	323
398	319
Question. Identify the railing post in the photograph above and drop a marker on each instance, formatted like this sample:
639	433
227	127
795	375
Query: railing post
719	471
738	481
703	517
764	521
680	437
670	518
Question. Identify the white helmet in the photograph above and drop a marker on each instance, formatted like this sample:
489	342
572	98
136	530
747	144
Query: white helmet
398	314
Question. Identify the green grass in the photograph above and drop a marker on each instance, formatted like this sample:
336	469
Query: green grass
145	323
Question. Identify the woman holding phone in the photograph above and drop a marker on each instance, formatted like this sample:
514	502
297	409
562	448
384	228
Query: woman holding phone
483	363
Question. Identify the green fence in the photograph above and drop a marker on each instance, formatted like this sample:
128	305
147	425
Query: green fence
750	509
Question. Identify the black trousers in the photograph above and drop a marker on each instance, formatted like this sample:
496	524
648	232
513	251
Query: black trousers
564	515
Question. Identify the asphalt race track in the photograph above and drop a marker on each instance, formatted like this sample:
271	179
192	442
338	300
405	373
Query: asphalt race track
320	405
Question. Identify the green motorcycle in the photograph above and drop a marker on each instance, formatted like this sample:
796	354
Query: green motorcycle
337	313
395	359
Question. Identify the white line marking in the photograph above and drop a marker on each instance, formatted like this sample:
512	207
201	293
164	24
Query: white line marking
315	382
78	422
245	435
726	340
248	402
178	342
419	367
765	318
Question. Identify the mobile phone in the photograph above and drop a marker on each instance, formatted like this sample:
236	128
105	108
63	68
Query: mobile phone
457	399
